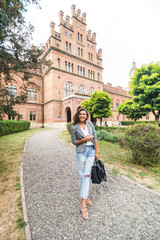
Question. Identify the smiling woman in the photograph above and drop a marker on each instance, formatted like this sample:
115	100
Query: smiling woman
83	135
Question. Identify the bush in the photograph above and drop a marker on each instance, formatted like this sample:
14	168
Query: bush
143	142
110	129
106	136
68	126
13	126
139	122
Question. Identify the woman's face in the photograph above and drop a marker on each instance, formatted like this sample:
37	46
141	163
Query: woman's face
82	116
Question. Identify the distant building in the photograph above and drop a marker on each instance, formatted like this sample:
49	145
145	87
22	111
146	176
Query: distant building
76	72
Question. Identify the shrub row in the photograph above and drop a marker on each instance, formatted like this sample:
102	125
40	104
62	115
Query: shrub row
110	129
139	122
12	126
106	136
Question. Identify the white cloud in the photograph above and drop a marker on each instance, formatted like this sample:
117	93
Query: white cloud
126	30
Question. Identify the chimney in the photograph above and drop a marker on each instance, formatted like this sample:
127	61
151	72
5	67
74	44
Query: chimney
73	7
84	17
94	37
67	19
78	13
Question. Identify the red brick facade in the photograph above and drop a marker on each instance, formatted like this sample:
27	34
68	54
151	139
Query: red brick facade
75	73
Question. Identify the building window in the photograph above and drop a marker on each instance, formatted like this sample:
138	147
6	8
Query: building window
70	47
91	90
32	94
147	117
78	70
68	88
93	75
57	45
81	89
58	63
68	67
32	116
98	76
11	91
88	73
81	52
83	72
66	46
78	51
78	36
117	104
81	38
91	57
72	68
65	66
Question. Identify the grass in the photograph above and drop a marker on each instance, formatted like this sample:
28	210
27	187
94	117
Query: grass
119	160
11	150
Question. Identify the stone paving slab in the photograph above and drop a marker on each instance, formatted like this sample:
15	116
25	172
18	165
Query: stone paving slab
122	210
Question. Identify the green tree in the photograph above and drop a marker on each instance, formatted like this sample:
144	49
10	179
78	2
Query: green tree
145	87
99	105
18	57
132	110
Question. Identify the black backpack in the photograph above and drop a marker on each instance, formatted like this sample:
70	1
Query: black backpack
98	173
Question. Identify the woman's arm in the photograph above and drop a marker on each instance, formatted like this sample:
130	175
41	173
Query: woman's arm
96	148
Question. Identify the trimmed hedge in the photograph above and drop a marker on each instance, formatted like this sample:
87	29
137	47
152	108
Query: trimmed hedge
139	122
13	126
110	129
68	126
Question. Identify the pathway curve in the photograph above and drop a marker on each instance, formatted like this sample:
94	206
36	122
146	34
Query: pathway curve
122	210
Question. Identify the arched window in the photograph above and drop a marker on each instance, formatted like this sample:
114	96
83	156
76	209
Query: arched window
68	67
78	51
88	73
29	94
11	91
91	74
81	89
72	68
68	88
81	38
32	94
66	46
91	90
117	104
78	36
77	69
112	105
81	52
15	91
89	55
98	76
70	47
58	63
65	65
83	72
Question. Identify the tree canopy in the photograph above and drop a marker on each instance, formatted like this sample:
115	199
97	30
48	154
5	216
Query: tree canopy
132	110
99	105
18	57
145	87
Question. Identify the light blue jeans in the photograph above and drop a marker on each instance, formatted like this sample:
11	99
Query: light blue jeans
85	162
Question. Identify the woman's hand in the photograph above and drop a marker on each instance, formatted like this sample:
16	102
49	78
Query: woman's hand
88	138
96	155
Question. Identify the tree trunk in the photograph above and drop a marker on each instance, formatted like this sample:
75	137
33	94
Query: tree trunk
100	121
134	121
157	120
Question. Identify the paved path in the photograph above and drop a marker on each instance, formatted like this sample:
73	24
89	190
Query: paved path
122	210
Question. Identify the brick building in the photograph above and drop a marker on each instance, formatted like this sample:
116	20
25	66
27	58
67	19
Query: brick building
75	73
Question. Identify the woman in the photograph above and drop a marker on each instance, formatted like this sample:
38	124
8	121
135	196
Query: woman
83	135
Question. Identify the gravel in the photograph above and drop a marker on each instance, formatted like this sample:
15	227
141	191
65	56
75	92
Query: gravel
121	211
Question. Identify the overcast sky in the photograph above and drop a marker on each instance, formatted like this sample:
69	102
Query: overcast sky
126	30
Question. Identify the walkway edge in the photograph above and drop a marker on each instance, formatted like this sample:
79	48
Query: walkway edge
25	215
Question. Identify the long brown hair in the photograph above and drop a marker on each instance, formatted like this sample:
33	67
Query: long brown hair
76	116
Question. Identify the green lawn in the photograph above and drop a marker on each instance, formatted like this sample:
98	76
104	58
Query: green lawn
119	161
